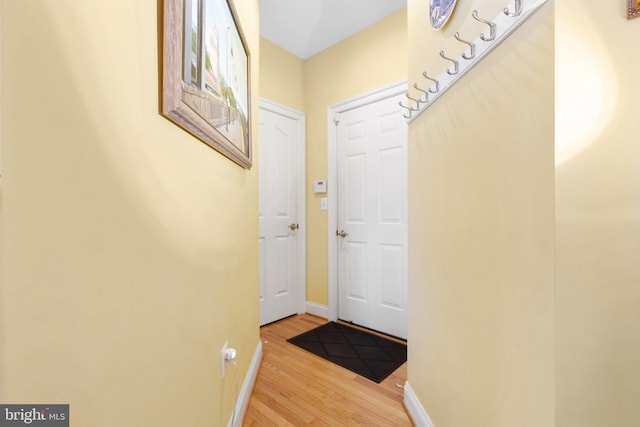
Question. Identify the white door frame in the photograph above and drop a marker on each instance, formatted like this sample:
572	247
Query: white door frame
301	162
333	115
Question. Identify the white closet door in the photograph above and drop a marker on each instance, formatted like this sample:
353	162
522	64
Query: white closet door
372	216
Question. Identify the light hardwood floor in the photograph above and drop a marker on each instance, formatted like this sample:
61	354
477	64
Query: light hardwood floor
297	388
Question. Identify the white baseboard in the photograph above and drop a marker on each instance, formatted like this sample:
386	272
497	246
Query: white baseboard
415	408
244	395
318	309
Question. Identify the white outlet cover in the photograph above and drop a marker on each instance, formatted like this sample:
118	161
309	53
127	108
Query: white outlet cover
224	362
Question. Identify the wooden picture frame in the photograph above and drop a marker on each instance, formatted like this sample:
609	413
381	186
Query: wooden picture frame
633	9
206	75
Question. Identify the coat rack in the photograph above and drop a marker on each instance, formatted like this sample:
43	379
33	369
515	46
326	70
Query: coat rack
497	30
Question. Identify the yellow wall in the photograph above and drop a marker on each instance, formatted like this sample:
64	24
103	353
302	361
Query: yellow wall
130	252
281	76
598	215
374	57
481	218
1	168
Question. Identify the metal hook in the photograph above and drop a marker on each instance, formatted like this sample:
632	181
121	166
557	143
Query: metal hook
406	108
518	10
455	64
417	102
426	93
433	80
492	27
472	46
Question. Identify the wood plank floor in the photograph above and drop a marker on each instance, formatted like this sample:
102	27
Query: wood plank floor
297	388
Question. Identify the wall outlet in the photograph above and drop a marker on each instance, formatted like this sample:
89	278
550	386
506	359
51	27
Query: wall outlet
222	358
228	356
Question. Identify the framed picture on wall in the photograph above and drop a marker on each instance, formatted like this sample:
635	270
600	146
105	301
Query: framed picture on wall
634	9
206	75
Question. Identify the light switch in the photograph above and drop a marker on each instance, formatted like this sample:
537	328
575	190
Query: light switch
324	204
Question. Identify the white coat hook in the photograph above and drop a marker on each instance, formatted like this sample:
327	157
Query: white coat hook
426	93
416	106
518	11
433	80
456	66
488	34
406	108
492	27
472	47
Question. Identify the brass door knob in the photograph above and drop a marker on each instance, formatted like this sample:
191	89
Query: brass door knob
293	227
341	233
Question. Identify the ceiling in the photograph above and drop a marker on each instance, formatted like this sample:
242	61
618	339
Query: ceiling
307	27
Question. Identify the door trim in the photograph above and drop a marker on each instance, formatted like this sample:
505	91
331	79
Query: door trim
300	117
333	114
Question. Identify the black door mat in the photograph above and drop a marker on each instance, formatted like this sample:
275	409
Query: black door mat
366	354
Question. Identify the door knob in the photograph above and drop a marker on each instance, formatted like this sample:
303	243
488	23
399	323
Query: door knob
294	227
341	233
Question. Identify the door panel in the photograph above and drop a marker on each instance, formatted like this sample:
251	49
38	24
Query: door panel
356	179
391	273
278	210
372	210
357	268
390	199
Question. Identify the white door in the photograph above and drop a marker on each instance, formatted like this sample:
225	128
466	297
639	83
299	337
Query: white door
281	239
372	216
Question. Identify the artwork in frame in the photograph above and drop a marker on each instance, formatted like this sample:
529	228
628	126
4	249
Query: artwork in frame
206	75
634	9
